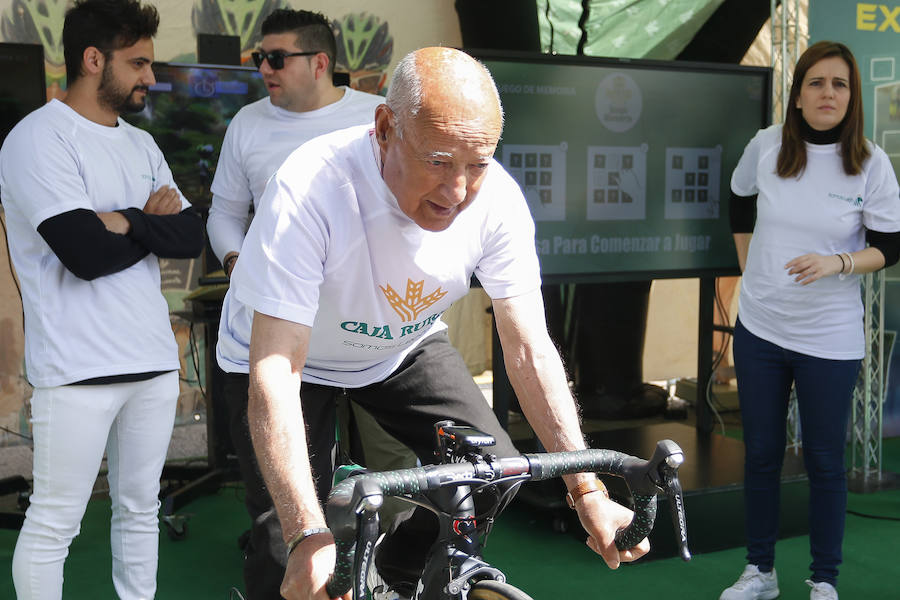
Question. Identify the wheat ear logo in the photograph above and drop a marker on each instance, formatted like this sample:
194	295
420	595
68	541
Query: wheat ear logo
409	307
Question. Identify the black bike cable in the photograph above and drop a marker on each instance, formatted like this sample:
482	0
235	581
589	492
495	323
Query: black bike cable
195	359
868	516
498	504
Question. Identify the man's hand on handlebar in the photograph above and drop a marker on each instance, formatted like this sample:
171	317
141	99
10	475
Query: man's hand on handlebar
308	568
602	518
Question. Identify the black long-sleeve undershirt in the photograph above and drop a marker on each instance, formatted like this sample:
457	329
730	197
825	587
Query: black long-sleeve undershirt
887	243
167	236
86	248
742	214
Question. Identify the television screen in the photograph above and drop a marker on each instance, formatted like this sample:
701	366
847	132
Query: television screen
23	87
187	113
626	164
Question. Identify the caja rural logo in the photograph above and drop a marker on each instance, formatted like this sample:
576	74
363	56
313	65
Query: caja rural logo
408	306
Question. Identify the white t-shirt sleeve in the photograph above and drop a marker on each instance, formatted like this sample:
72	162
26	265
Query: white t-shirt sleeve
509	266
230	180
743	179
881	207
53	184
283	256
232	196
226	225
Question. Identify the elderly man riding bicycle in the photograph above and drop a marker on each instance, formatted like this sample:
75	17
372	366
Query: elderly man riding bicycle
364	238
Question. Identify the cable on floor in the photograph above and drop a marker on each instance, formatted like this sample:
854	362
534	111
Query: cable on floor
868	516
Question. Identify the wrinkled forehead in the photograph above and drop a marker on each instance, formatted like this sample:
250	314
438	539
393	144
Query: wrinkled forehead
447	131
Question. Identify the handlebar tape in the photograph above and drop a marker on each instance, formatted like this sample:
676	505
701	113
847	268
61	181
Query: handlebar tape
344	497
609	462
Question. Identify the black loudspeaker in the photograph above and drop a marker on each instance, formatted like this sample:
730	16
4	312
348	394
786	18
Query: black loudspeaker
499	24
214	49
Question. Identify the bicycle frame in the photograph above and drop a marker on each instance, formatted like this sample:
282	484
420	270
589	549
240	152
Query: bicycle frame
455	558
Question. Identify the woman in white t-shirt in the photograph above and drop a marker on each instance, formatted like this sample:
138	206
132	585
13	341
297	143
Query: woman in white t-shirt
826	210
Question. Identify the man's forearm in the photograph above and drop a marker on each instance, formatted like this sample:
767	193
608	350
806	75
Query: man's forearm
537	375
279	440
539	381
167	236
226	226
86	247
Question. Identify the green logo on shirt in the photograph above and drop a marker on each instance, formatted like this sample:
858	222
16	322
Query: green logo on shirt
408	307
384	331
848	199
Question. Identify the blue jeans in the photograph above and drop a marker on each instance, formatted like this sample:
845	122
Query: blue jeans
765	373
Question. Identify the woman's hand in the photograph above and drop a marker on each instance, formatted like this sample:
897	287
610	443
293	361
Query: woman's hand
812	267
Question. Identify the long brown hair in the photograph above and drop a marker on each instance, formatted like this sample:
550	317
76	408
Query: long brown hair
854	149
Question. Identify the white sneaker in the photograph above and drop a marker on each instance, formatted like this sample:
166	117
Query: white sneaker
821	590
753	585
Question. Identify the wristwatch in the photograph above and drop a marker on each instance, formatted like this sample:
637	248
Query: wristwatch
585	487
228	262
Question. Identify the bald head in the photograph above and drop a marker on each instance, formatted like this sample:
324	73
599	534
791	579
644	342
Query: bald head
435	81
437	134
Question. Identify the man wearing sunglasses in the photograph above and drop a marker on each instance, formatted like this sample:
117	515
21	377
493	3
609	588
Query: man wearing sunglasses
296	60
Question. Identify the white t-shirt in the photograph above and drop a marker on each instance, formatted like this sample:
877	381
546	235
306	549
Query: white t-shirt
257	141
55	161
824	211
331	249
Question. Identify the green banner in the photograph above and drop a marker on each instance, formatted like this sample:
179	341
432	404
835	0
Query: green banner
658	29
872	31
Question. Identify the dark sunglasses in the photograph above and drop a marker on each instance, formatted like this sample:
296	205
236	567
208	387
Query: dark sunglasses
276	58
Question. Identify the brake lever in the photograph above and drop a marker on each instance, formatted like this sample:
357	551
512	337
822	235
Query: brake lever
351	511
673	490
664	474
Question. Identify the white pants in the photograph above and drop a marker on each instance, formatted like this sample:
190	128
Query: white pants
71	426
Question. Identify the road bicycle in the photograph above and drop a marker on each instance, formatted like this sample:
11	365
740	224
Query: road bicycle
455	568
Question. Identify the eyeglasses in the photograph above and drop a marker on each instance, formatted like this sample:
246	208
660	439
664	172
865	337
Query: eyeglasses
276	57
